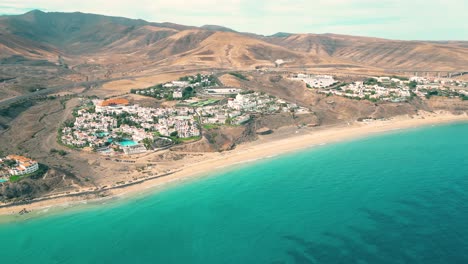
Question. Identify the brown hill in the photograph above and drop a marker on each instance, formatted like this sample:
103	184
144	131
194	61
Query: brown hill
383	53
121	44
78	33
231	50
12	43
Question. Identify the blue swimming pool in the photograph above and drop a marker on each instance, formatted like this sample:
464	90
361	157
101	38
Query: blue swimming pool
3	180
127	143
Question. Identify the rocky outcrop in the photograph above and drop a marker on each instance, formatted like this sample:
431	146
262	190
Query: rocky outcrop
199	146
30	188
226	138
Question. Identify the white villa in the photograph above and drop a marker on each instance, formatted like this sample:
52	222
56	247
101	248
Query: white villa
177	94
23	165
317	81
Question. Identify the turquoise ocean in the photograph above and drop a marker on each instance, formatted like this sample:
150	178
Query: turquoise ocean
400	197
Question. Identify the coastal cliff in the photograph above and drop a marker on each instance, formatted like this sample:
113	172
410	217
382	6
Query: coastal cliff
54	180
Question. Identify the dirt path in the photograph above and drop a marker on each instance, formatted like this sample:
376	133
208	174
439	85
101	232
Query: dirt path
54	120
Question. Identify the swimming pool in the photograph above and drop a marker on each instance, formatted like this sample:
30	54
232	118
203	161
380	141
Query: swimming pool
3	180
127	143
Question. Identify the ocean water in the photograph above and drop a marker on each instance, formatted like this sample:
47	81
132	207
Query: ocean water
395	198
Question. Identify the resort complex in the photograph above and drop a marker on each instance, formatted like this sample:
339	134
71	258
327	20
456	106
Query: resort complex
315	81
184	88
116	126
15	165
384	88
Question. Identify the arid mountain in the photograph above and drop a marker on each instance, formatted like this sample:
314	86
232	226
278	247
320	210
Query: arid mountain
228	49
106	41
71	34
77	33
383	53
12	43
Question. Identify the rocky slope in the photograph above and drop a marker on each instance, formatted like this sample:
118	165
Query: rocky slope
383	53
78	37
53	181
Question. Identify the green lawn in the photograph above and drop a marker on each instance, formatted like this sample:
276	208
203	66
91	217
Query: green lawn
211	126
204	102
41	171
190	138
16	178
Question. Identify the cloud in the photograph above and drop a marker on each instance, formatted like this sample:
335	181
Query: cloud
402	19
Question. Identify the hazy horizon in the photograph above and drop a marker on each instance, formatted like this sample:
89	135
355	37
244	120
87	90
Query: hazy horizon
392	19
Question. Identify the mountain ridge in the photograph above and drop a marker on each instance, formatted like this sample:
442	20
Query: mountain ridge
38	34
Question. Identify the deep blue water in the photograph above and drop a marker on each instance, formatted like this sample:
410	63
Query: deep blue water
395	198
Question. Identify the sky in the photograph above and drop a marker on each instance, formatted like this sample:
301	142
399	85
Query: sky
394	19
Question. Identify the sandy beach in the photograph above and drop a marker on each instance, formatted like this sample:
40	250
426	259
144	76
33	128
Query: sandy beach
266	146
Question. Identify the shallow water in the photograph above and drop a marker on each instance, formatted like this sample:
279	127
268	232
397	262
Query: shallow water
396	198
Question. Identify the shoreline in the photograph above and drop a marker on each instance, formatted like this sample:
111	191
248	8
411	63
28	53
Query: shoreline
263	148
